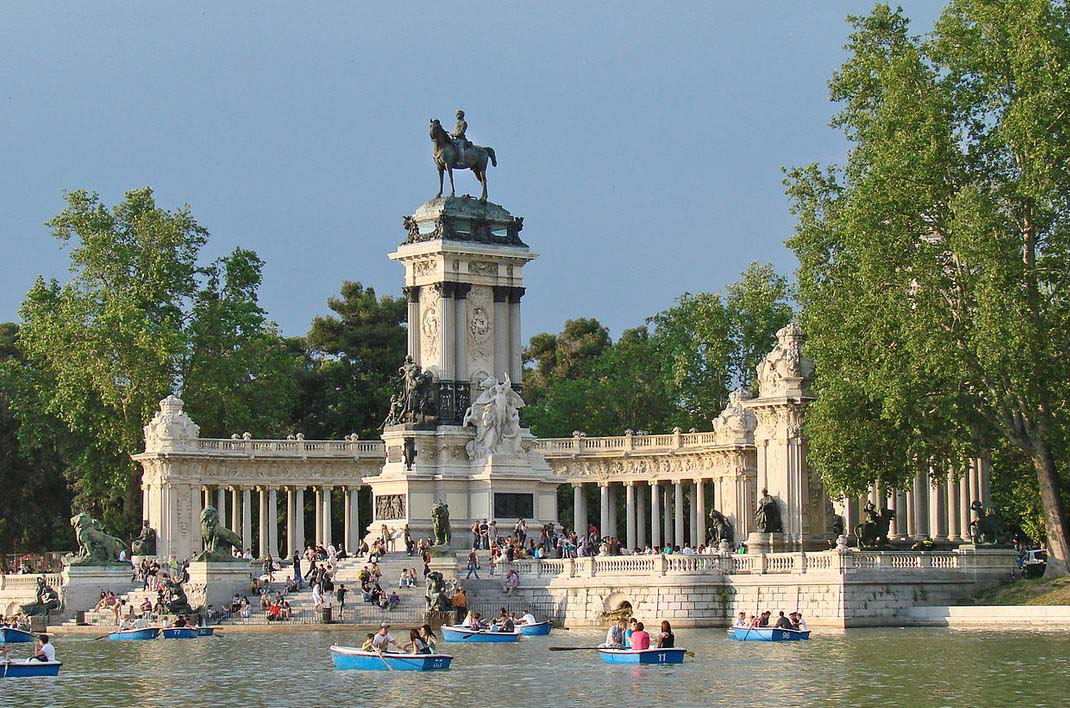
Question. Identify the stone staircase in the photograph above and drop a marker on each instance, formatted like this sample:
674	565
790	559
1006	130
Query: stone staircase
106	618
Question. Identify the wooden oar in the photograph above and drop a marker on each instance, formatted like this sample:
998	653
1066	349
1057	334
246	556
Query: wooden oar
689	653
570	648
379	652
97	639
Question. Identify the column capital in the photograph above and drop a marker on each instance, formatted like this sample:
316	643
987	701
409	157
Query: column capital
501	293
577	485
515	294
412	292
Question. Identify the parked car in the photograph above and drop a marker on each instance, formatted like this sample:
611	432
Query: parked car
1033	562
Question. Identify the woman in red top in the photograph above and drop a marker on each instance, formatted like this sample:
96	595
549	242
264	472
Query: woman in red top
640	638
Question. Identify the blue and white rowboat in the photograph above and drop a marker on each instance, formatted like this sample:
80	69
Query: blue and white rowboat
465	634
125	635
10	635
536	629
205	631
767	634
642	656
353	659
19	668
180	633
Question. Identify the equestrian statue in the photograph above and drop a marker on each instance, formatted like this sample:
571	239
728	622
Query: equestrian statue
457	152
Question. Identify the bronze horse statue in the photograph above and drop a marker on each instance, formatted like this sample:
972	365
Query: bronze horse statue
475	159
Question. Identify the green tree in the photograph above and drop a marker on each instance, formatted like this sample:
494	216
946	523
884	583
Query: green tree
933	263
562	356
140	319
349	362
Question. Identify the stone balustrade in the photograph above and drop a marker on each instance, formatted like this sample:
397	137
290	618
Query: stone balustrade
364	449
27	583
578	444
825	562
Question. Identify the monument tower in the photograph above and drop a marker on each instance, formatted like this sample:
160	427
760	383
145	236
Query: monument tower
454	434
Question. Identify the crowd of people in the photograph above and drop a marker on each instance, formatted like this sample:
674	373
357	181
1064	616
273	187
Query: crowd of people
632	634
422	640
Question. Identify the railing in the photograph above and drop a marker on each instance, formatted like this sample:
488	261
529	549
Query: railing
563	447
27	583
824	562
367	449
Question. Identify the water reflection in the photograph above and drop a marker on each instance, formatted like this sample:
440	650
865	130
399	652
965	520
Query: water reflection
860	667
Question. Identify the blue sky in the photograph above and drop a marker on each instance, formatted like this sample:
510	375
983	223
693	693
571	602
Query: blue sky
642	142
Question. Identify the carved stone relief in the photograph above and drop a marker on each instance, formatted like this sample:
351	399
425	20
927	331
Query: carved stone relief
479	321
389	507
430	308
483	268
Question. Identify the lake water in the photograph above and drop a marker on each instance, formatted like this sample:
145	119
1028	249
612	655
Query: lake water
935	667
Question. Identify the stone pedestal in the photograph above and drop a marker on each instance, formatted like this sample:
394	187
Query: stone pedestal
82	584
216	583
768	543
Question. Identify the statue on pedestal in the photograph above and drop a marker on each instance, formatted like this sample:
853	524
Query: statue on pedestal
874	531
145	543
435	594
217	538
46	600
720	528
987	528
456	152
495	414
413	400
94	546
767	515
440	523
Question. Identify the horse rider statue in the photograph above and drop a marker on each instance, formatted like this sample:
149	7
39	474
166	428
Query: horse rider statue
460	140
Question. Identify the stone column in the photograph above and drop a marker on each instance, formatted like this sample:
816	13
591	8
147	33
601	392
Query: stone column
353	538
700	504
921	507
614	528
246	518
984	466
412	293
890	502
326	516
206	496
460	310
629	514
666	514
299	521
937	511
693	526
291	536
221	504
196	540
953	533
501	332
640	516
678	514
579	509
262	535
975	483
515	346
603	488
317	532
447	331
235	509
911	527
655	515
273	522
964	505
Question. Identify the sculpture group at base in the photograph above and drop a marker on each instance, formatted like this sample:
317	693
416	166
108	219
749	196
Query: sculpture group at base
46	600
145	543
767	515
495	414
94	546
874	531
414	399
440	523
217	538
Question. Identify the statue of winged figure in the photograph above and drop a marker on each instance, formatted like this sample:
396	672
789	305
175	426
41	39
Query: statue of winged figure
496	416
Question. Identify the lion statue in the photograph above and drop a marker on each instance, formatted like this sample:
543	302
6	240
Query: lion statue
440	523
94	546
217	538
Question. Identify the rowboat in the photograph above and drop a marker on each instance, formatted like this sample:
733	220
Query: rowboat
535	629
18	668
124	635
180	633
642	656
767	634
10	635
351	658
458	633
205	631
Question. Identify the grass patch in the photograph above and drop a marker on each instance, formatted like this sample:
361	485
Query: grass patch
1028	592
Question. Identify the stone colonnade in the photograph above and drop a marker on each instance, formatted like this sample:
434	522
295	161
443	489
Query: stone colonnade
656	512
934	507
234	505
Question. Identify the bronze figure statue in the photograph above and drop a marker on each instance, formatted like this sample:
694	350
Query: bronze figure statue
767	515
216	538
94	546
145	543
987	528
440	523
874	531
414	396
720	528
46	600
456	152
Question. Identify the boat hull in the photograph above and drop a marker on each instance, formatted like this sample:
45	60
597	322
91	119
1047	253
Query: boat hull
9	635
206	631
463	634
353	659
642	656
21	668
128	635
538	629
180	633
768	634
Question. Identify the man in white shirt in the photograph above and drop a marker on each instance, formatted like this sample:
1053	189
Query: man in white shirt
741	620
383	638
527	618
45	650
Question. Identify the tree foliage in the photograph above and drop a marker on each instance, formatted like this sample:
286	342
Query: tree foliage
677	370
138	319
933	264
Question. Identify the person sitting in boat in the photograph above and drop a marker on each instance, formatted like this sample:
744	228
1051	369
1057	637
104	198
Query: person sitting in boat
753	622
628	631
44	650
763	619
527	618
783	622
666	639
506	625
180	621
382	639
614	636
799	623
428	636
640	638
369	643
741	621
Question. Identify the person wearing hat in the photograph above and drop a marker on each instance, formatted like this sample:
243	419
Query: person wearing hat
383	638
462	144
